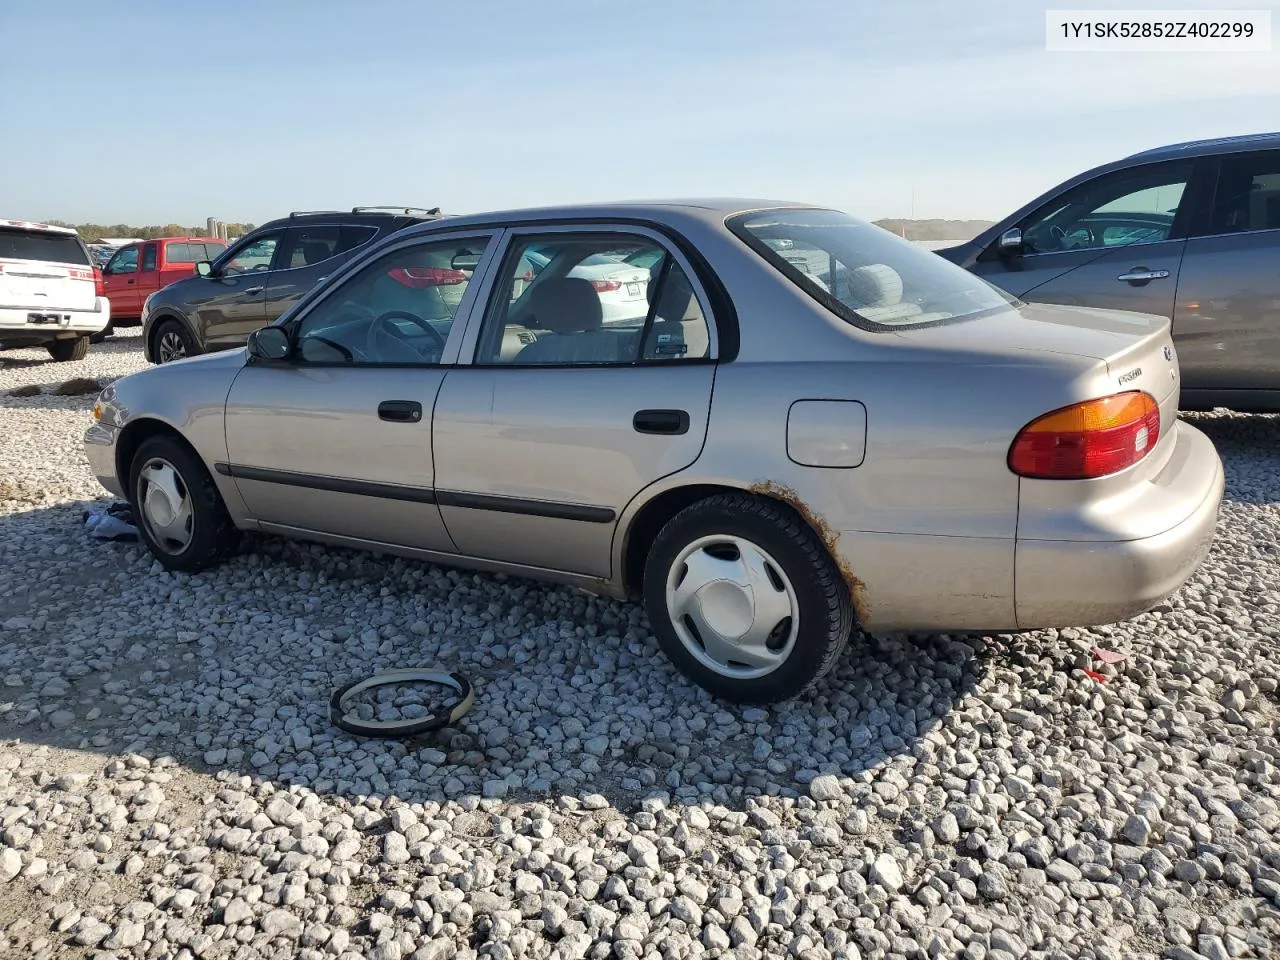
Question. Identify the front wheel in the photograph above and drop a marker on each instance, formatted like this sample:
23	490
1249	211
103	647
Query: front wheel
64	351
178	509
745	599
173	342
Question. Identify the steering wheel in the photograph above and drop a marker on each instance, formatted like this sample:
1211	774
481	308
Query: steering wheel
1060	237
383	327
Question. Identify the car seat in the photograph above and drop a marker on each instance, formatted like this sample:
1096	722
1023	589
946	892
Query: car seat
568	308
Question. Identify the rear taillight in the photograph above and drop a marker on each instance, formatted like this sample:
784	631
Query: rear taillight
418	277
99	284
606	286
1090	439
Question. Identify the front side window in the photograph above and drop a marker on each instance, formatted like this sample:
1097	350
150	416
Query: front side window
591	299
1247	198
1131	206
863	273
397	310
253	257
126	261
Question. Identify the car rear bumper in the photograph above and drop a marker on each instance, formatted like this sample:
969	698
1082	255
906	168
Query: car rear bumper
1094	570
1088	580
35	325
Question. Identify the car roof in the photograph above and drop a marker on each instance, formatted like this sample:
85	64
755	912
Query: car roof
30	225
709	209
1238	144
355	215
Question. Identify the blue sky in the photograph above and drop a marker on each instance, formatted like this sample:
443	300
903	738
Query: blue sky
152	112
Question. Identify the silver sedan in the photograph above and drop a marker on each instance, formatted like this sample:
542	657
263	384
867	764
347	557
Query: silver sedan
766	456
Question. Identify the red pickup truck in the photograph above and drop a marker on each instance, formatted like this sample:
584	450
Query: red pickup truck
137	270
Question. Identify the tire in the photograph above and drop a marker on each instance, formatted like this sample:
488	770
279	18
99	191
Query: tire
170	338
65	351
209	537
102	334
790	566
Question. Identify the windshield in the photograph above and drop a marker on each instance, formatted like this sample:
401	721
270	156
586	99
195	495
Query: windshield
863	273
51	246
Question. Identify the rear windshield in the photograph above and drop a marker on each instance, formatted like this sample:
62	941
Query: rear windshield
863	273
43	245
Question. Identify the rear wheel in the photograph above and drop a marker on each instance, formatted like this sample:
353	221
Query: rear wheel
64	351
173	342
178	509
745	599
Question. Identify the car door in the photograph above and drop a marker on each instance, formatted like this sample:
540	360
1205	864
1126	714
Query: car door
148	273
233	304
120	282
555	420
1083	248
1227	315
336	441
310	253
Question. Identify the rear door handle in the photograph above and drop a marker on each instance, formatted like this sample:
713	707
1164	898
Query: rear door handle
253	291
671	422
400	411
1142	275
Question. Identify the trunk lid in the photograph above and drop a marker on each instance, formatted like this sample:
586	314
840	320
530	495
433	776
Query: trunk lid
44	269
1134	351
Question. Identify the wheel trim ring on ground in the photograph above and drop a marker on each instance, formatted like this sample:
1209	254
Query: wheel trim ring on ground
171	347
730	605
164	504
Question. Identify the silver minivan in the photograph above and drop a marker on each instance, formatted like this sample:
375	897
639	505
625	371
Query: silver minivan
1189	231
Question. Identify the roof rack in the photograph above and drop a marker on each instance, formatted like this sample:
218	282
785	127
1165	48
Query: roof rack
309	213
433	212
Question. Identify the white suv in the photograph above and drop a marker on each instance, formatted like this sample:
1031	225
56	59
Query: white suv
51	294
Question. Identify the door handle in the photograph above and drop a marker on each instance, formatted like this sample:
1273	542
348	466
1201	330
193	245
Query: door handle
128	281
400	411
1142	275
671	422
253	291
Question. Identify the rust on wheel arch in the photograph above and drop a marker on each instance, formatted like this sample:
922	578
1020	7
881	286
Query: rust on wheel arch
829	537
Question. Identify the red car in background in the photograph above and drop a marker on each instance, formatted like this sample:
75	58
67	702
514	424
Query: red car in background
137	270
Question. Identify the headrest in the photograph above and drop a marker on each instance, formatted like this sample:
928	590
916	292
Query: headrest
567	305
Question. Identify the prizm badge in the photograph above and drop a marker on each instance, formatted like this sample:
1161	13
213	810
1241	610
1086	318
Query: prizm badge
1168	353
1133	374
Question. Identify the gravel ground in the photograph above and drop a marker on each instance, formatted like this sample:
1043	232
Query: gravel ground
170	785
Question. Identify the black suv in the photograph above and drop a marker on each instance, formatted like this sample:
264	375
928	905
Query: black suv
259	277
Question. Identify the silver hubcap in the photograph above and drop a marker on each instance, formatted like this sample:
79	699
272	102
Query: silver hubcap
166	505
171	347
732	607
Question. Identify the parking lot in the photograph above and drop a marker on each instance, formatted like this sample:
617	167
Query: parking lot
171	785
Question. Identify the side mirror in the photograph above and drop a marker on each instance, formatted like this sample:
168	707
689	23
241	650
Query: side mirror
204	268
268	343
465	260
1010	243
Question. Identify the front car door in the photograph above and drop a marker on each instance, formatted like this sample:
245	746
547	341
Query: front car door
310	254
336	441
1115	241
233	304
120	281
556	418
1227	316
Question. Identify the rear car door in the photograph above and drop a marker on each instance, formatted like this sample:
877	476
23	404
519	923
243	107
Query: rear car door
1227	316
120	281
336	442
563	409
309	254
1115	241
233	305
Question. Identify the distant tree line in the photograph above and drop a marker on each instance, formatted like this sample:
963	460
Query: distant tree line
94	232
935	229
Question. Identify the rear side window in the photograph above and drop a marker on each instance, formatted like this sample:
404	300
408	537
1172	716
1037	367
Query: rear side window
186	253
1247	198
863	273
46	245
352	236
